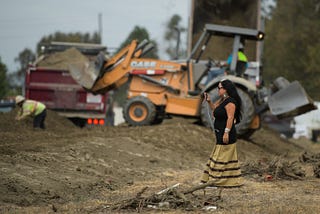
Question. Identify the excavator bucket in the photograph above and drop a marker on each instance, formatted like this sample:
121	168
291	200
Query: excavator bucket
90	73
290	101
84	73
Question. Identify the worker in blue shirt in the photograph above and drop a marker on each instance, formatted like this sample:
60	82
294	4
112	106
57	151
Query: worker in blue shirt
242	61
242	65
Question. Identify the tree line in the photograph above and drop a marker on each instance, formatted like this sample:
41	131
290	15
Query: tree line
292	44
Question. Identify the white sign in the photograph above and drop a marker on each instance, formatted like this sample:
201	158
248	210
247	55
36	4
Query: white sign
94	98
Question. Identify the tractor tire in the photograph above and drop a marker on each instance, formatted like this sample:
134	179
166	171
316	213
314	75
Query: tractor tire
139	111
160	115
248	112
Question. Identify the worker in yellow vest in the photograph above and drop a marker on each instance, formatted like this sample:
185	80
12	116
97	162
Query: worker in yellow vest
32	108
241	66
242	61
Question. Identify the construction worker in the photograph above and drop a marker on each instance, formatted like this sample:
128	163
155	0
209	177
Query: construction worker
241	66
242	61
32	108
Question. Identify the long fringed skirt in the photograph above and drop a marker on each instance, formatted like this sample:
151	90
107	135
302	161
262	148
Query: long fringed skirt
223	167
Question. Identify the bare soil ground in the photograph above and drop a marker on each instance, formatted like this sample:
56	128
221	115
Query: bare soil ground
66	169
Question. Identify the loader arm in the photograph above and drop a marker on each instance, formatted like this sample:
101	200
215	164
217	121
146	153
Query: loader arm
118	68
113	72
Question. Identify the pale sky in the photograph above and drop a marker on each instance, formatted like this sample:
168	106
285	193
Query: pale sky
24	23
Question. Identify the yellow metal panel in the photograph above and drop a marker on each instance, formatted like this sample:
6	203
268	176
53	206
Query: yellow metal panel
139	85
156	98
184	106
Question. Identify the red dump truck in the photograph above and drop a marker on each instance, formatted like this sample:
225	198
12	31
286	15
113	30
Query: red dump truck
48	80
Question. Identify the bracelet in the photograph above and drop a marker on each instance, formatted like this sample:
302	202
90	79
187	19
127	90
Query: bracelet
226	130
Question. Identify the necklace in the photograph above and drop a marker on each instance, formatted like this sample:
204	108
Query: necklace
225	96
222	100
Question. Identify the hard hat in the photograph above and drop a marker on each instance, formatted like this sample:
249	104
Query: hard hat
241	46
19	99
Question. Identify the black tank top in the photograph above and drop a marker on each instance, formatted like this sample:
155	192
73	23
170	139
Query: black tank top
220	115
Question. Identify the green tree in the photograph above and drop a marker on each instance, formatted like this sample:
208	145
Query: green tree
173	38
24	59
292	45
139	34
3	80
16	79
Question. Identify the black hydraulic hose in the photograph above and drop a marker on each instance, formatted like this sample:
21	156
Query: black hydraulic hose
147	78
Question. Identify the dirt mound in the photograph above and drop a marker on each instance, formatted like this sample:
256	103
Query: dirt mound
14	134
66	168
61	60
54	122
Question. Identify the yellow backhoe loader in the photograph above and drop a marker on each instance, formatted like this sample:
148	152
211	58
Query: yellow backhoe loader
158	87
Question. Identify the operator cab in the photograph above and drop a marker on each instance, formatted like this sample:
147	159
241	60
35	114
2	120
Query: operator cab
239	36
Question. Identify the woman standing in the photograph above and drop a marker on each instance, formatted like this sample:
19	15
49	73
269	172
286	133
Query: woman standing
223	166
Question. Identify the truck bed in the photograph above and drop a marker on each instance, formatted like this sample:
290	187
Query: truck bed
59	92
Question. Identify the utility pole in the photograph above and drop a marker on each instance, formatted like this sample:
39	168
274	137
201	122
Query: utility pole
190	28
100	26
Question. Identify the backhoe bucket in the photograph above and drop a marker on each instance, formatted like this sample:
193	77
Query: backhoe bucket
84	73
290	101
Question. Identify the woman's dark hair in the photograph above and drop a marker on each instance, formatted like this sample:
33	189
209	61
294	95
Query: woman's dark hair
232	92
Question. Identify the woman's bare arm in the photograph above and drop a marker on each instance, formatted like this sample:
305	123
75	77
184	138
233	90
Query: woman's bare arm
230	109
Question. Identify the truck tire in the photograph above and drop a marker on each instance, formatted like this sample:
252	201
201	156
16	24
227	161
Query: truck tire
139	111
80	122
248	112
